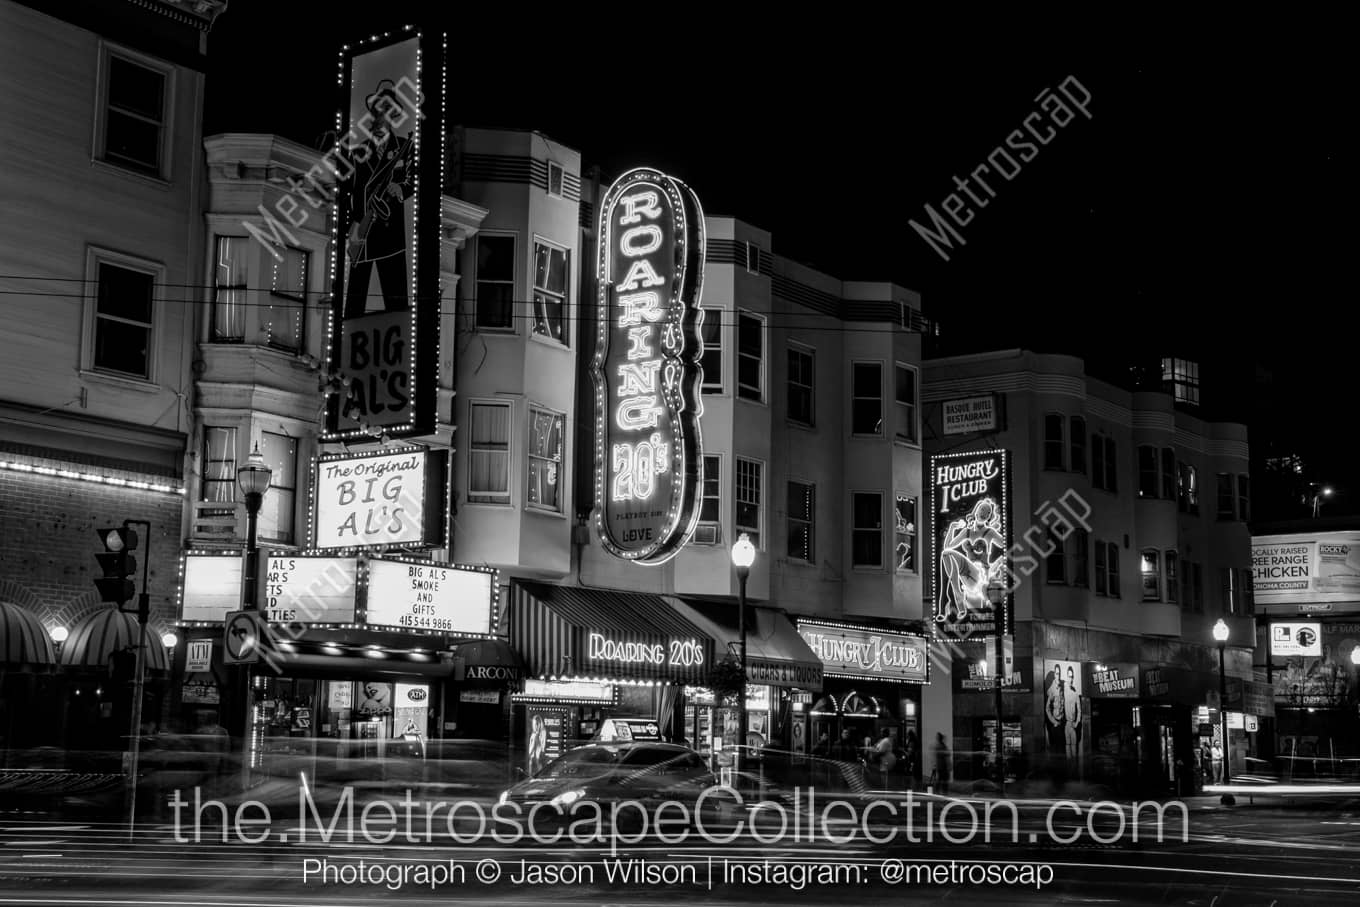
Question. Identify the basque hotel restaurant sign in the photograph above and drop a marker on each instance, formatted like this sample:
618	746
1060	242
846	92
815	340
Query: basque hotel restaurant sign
384	322
873	654
646	368
372	499
968	494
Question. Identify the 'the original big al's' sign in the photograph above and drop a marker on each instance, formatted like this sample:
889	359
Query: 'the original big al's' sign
380	499
646	368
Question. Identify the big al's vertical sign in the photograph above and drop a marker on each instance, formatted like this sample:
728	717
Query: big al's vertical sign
646	367
971	536
384	325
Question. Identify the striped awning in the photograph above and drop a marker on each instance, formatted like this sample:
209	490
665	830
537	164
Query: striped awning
99	634
570	632
23	640
775	654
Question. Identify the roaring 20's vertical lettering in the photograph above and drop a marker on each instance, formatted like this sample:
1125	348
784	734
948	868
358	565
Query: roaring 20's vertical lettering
646	368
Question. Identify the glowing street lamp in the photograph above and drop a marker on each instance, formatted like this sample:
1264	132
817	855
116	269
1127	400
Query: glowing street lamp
1355	656
169	640
743	556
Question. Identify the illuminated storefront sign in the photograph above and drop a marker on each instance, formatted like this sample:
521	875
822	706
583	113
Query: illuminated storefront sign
861	652
671	653
425	596
1307	571
1295	639
646	368
301	589
1111	680
212	586
383	342
971	535
380	499
568	689
969	414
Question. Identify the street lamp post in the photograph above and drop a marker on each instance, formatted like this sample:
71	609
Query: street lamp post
743	556
996	594
1321	492
253	479
1221	637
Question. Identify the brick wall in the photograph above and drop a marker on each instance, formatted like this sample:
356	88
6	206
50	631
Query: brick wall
48	541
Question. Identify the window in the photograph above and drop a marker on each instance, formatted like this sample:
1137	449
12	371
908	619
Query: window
1152	575
708	531
276	514
1168	473
1054	442
1246	591
134	116
1112	563
1078	436
495	302
122	320
555	178
550	292
748	500
1056	561
1171	581
752	258
489	454
866	404
713	353
1243	498
1102	571
219	465
1183	376
906	402
1227	500
545	459
800	385
229	289
1187	488
750	356
283	318
1228	598
904	528
1078	564
1148	476
866	542
801	512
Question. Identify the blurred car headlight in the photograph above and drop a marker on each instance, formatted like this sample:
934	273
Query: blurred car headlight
504	798
567	798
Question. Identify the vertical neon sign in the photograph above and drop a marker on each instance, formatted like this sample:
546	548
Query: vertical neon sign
647	369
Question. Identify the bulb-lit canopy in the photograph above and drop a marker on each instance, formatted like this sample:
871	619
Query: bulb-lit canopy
59	635
169	640
743	552
1221	631
255	475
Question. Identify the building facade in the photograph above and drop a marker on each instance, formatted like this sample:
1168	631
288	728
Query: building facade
1127	541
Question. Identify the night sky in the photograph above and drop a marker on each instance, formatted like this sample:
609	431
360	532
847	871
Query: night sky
1202	209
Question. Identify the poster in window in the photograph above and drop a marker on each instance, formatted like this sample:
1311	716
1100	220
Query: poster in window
547	732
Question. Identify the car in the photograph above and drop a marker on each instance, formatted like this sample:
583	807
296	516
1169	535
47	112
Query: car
609	774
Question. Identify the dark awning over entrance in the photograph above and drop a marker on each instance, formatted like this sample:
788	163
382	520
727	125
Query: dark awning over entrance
570	632
99	634
775	653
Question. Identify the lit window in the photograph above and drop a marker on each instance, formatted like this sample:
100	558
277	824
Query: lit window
904	530
866	541
866	403
545	459
219	465
229	289
801	513
276	511
550	292
1152	576
495	302
134	115
489	454
748	499
1187	488
122	321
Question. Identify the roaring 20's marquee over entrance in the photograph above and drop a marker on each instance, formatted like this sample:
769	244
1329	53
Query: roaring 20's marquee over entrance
647	369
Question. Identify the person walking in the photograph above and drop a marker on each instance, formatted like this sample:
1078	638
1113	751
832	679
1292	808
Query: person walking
942	764
1217	753
885	758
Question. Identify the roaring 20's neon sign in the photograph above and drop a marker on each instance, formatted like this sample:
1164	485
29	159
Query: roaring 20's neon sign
646	368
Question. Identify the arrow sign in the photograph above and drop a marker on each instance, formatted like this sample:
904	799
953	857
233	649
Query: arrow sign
243	636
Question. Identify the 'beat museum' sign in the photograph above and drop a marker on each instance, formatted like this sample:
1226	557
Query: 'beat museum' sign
646	368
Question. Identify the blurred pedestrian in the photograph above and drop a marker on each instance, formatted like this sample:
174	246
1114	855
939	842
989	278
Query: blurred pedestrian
942	764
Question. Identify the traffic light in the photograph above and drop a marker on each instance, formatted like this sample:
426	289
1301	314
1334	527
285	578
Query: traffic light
117	563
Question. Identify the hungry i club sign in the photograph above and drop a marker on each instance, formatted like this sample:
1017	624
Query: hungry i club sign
646	368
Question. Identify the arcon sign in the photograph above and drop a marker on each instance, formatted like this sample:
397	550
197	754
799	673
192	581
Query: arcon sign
646	368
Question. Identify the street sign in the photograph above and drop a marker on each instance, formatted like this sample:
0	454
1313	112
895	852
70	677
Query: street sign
242	637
